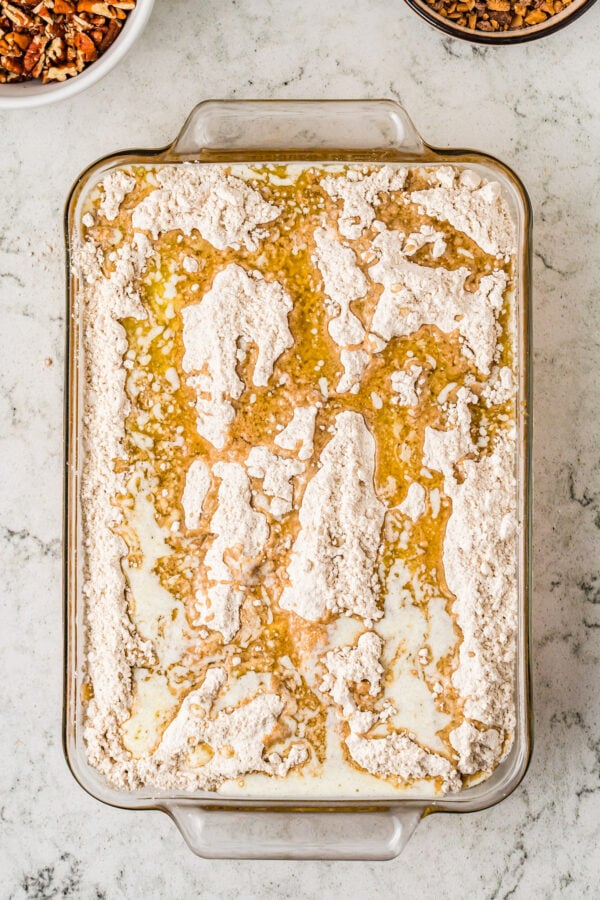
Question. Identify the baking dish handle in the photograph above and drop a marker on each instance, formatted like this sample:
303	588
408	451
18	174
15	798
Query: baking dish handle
297	125
233	834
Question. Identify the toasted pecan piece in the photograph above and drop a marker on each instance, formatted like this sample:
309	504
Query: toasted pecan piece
86	47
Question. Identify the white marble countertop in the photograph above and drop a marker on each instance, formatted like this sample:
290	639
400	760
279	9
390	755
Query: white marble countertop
536	106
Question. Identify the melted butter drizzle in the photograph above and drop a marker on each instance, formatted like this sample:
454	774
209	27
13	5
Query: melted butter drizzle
162	438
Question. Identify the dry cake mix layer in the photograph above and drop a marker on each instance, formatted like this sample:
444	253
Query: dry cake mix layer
298	490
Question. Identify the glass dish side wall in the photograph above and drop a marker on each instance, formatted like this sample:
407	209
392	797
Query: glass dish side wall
396	142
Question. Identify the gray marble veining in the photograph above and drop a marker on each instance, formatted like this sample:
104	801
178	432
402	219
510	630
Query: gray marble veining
537	107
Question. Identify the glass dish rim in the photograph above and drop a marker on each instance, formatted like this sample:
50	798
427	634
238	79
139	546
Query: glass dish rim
460	802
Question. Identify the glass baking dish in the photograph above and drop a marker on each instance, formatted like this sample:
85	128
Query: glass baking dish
213	825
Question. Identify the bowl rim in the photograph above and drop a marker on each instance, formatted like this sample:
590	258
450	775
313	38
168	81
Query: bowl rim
33	93
520	36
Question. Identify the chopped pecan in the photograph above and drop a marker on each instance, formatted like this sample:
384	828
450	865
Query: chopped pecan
38	69
56	50
21	40
34	52
8	49
60	73
44	13
535	17
18	16
80	23
95	7
86	47
11	64
109	35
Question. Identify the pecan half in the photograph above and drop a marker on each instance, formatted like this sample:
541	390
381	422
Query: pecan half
34	52
86	47
59	73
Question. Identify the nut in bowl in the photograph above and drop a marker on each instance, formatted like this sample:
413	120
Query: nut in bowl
54	49
499	21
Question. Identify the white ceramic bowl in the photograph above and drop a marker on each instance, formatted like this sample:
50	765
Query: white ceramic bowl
34	93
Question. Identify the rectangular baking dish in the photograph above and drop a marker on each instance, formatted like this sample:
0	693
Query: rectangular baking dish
215	826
